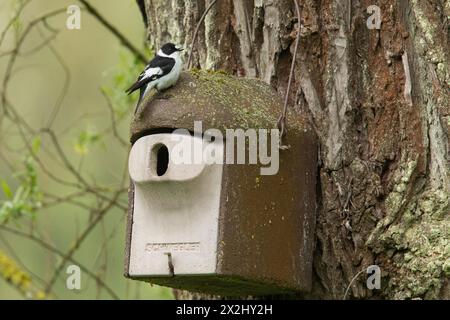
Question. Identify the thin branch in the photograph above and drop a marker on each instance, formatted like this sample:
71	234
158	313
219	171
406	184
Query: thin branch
18	260
123	40
107	197
11	22
79	241
351	282
18	120
55	250
65	87
41	164
56	200
113	121
17	48
63	157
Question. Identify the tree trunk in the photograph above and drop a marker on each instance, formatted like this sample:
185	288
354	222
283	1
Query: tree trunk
379	102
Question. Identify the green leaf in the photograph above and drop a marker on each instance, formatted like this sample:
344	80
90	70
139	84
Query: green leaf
26	199
85	139
118	79
7	190
36	145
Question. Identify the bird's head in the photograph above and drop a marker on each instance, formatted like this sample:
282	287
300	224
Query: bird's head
170	48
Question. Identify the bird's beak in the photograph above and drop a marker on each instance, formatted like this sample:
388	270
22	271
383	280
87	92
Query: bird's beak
179	48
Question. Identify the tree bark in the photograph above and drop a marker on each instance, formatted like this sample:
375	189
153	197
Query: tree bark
379	102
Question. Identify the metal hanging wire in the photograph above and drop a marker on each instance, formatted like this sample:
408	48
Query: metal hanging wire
282	121
194	38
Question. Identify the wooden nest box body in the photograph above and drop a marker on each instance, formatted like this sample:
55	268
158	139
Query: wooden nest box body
219	228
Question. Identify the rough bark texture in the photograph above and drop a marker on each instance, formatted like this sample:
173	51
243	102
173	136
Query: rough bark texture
379	101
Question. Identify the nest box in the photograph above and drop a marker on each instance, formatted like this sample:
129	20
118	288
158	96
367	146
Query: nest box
219	228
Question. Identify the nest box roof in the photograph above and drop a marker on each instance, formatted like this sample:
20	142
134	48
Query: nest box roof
218	100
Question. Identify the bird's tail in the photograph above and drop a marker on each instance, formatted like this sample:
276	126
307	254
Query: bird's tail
141	95
138	84
143	92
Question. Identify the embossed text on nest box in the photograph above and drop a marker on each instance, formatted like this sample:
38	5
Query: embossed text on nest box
173	246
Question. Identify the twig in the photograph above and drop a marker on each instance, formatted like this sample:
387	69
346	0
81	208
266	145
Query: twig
113	121
11	22
56	200
63	156
123	40
18	260
40	163
64	89
107	197
15	52
79	241
50	248
351	282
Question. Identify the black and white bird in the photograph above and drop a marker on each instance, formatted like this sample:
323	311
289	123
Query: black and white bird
161	73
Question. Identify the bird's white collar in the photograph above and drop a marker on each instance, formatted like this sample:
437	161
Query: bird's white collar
162	54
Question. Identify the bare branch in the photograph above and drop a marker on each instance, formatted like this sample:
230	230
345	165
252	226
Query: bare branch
50	248
123	40
80	240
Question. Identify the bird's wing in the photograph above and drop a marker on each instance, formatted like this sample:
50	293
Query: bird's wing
164	63
157	68
149	74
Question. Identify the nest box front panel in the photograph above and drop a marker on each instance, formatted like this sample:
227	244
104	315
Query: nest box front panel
176	208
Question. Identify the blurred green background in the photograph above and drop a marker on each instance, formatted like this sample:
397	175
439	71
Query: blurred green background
94	58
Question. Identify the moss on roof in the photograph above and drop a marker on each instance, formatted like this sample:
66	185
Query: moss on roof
217	99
